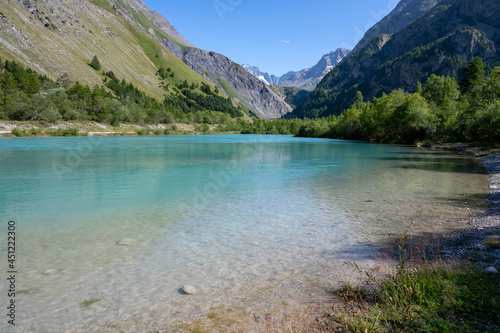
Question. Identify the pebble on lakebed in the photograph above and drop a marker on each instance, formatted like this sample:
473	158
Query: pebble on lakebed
50	271
127	241
190	290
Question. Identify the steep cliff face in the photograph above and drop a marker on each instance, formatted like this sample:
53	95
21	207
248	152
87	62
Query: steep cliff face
442	42
406	11
237	82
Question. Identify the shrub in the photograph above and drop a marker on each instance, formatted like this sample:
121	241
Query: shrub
143	131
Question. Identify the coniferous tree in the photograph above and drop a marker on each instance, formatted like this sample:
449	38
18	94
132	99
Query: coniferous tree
473	76
33	85
95	64
418	89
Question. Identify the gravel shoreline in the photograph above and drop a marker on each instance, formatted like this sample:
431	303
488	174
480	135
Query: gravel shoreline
472	243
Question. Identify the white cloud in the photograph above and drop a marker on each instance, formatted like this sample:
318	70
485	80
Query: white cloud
285	41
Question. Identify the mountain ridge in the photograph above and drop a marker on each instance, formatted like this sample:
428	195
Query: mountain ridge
307	78
405	12
441	41
60	37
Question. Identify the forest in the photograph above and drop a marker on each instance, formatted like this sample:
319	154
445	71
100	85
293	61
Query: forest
28	96
443	109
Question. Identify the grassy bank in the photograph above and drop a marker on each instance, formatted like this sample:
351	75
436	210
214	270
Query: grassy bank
421	295
422	292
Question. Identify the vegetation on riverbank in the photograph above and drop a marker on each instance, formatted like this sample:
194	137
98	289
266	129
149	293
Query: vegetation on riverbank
443	110
423	292
88	128
423	295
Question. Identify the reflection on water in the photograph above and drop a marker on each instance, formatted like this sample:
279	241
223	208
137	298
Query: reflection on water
229	214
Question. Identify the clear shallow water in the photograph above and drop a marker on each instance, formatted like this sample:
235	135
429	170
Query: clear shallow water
232	215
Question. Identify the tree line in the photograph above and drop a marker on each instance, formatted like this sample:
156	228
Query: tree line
29	96
443	109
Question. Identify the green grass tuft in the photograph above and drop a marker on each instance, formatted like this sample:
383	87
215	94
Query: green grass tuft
494	243
422	296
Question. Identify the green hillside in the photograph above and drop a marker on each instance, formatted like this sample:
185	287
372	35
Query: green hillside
55	39
440	42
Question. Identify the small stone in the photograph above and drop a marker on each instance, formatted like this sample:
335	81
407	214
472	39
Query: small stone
127	241
492	270
190	290
50	271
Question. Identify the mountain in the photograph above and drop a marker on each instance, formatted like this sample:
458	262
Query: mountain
441	41
57	37
306	79
60	37
403	14
239	84
263	76
309	78
293	96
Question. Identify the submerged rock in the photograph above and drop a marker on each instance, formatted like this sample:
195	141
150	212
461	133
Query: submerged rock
190	290
127	241
50	271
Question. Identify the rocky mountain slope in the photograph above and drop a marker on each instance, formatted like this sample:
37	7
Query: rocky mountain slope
406	11
58	37
306	79
61	36
237	82
442	41
230	78
292	95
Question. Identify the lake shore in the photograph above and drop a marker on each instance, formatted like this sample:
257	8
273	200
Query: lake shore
477	245
478	240
90	128
471	241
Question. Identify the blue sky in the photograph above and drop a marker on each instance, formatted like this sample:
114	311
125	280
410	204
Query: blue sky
276	35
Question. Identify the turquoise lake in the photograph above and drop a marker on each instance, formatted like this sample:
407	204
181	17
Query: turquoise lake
248	220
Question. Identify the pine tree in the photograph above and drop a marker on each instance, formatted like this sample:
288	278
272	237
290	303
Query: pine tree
473	76
95	64
418	89
33	85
